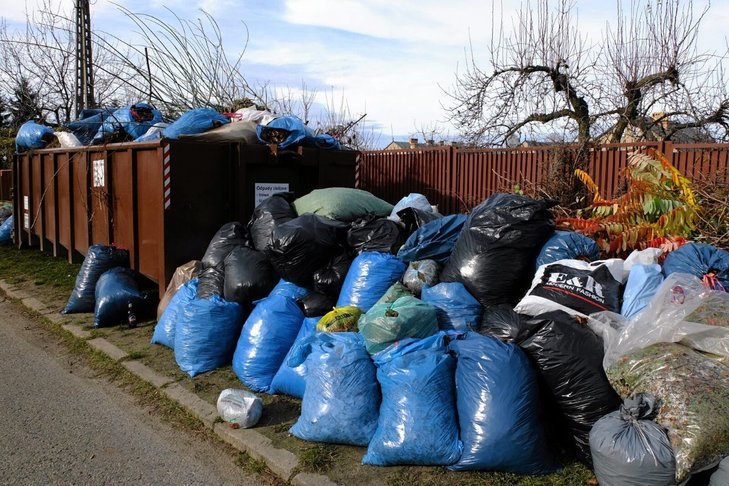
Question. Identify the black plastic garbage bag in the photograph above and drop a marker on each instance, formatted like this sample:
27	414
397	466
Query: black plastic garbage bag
414	218
117	293
503	323
211	281
329	280
229	236
375	234
248	276
568	357
495	253
316	304
300	247
630	449
272	211
99	259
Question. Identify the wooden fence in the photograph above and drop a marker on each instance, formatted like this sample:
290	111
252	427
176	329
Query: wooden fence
456	179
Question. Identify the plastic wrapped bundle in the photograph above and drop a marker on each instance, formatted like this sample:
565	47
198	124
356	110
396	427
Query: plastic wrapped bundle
271	212
316	304
417	423
6	231
116	293
290	380
164	331
434	240
643	283
32	135
630	449
239	407
267	336
498	408
503	323
183	273
211	281
206	334
198	120
414	218
412	200
369	277
340	319
568	357
289	131
288	289
567	245
695	393
342	204
420	274
385	324
99	259
131	121
700	260
329	280
342	397
395	291
248	276
375	234
228	237
495	253
300	247
455	307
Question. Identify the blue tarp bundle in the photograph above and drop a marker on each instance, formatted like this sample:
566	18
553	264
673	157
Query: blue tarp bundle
568	245
290	380
122	119
99	259
267	336
700	260
195	121
6	231
32	135
164	331
115	290
206	334
434	240
642	285
417	423
498	408
456	307
294	132
342	398
369	277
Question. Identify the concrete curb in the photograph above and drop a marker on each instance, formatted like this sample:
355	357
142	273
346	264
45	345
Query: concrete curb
281	462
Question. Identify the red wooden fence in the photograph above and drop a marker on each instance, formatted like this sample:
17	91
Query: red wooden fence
456	179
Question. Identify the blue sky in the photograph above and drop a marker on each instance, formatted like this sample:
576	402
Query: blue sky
389	59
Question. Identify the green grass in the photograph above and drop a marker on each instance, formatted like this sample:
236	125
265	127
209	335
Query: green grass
37	267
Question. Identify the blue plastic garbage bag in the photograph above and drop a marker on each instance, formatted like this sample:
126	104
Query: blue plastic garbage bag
195	121
99	259
369	277
701	260
498	408
123	119
86	128
206	334
32	135
434	240
418	423
412	200
643	283
267	336
456	307
6	231
291	380
115	291
164	331
288	289
290	131
568	245
342	398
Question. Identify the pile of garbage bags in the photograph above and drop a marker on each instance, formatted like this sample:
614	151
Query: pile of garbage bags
474	342
142	122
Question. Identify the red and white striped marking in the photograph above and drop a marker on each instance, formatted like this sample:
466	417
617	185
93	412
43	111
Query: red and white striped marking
356	171
166	174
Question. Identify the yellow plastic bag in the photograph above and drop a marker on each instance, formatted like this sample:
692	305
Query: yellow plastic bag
341	319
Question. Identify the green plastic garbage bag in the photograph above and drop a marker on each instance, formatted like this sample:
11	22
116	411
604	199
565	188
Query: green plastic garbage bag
406	317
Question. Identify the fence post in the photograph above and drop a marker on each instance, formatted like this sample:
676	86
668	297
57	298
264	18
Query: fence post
666	148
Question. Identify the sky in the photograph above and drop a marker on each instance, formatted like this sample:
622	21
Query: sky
393	60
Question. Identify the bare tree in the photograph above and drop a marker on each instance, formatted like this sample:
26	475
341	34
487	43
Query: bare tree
544	74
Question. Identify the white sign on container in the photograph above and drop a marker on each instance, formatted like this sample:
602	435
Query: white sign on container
98	173
26	220
264	190
26	203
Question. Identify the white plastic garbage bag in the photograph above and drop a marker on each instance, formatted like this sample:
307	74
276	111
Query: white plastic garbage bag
240	407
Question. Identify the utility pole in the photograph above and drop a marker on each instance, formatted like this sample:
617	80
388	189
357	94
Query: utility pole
84	74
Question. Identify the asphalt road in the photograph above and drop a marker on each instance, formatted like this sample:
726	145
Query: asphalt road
61	425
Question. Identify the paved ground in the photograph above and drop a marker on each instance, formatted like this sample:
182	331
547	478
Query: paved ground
61	425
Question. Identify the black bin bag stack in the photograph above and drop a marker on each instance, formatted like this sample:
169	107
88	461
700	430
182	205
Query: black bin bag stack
248	276
496	250
99	259
272	211
212	269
